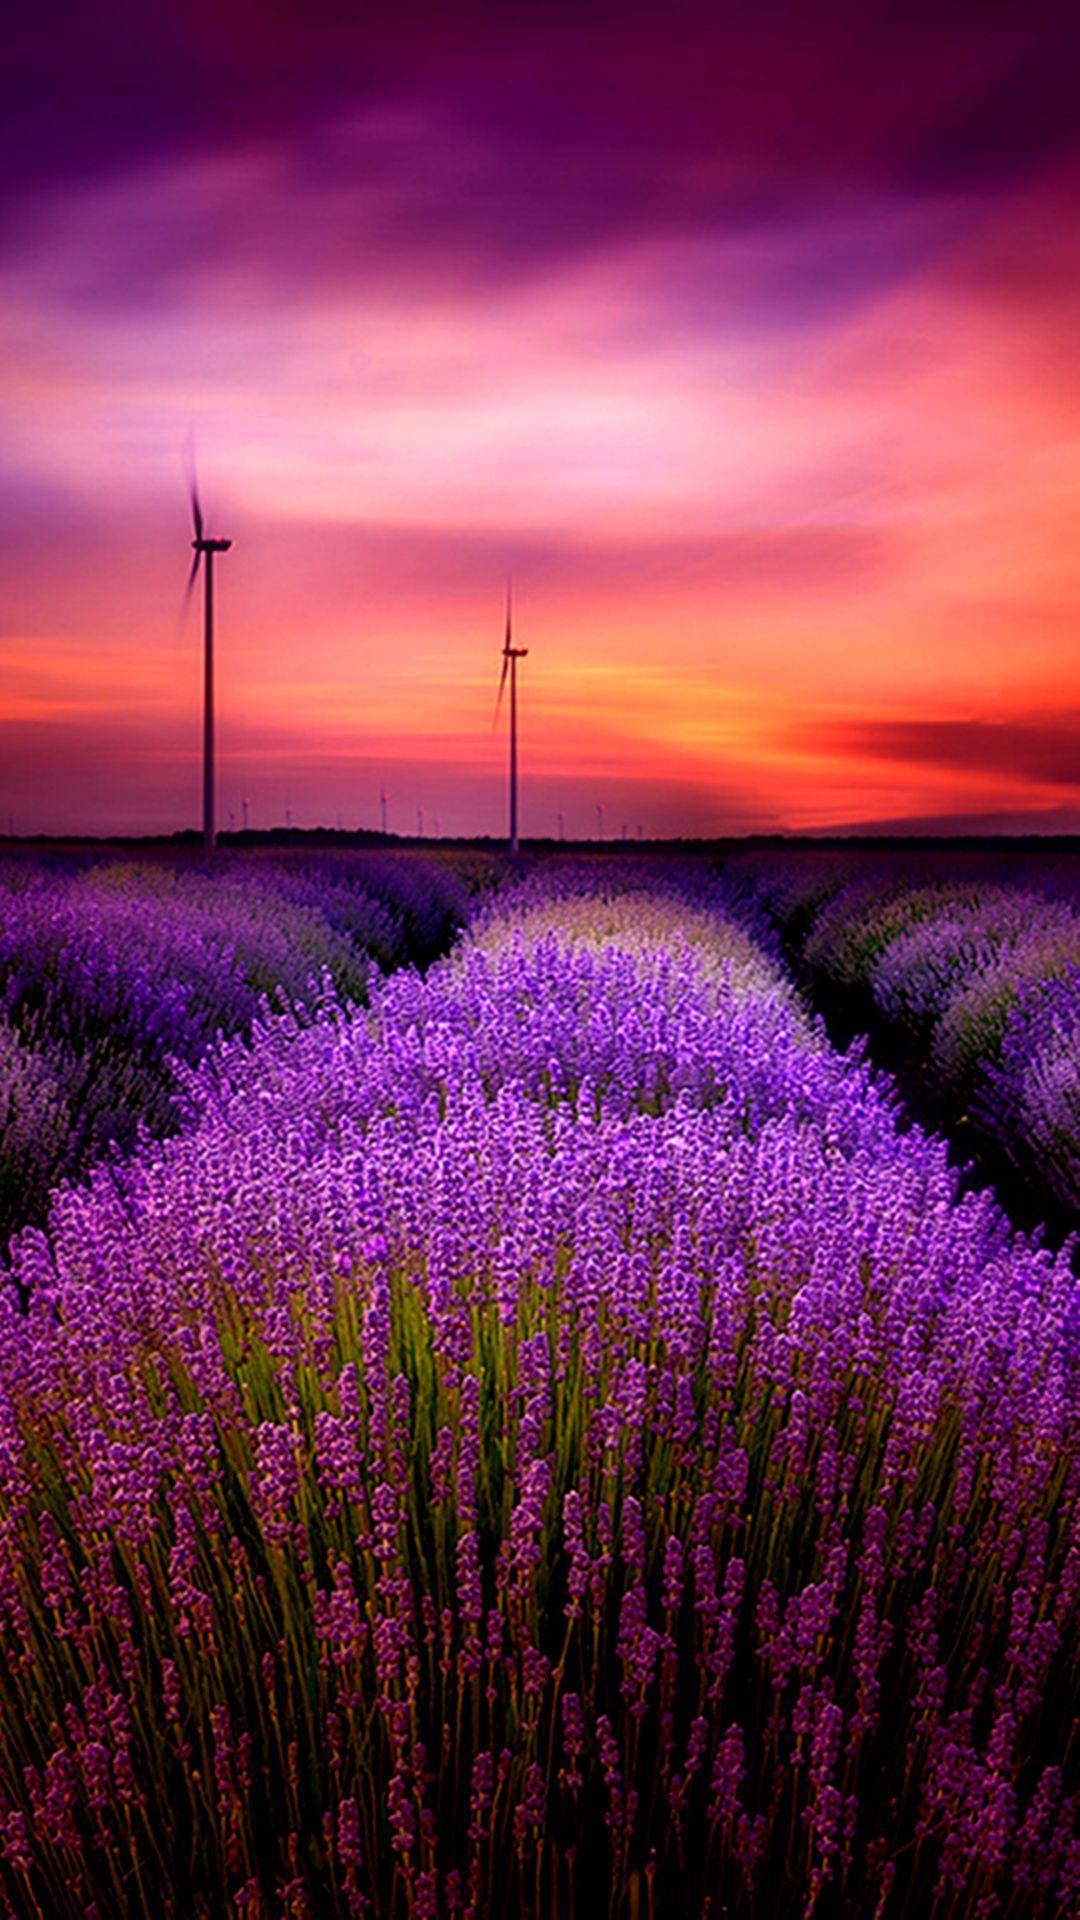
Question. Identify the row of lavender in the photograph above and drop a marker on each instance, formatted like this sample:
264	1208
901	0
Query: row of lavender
547	1437
110	970
976	965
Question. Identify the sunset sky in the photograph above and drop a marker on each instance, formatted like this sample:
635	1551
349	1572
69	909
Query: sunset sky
745	336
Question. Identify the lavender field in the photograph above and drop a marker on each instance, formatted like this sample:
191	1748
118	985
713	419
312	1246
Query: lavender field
528	1427
972	962
116	974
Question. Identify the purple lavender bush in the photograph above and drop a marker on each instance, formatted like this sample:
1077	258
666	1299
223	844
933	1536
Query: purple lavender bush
544	1440
112	972
978	976
1031	1096
35	1127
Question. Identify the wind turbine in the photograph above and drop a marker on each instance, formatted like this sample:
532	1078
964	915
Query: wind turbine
510	657
205	549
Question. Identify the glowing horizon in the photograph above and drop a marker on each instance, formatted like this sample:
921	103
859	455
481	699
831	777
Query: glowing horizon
753	363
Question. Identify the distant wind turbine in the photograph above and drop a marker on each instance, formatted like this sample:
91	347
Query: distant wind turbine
205	549
383	798
510	657
600	819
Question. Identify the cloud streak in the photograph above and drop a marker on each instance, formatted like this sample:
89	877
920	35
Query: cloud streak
1040	751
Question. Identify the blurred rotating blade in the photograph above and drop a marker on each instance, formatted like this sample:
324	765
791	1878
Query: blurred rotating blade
502	686
193	485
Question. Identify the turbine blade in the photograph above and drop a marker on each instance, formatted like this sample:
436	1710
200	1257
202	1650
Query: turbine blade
193	485
189	589
502	684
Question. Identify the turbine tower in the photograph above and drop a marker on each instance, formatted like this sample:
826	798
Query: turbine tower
205	549
510	657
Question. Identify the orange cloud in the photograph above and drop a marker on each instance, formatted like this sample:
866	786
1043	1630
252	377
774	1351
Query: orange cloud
745	546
